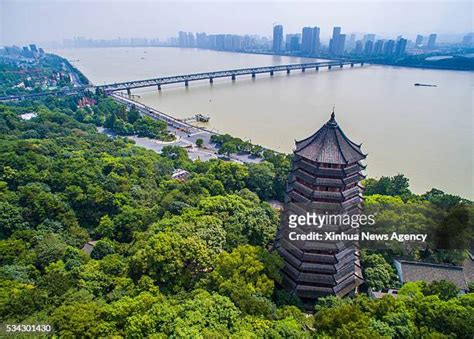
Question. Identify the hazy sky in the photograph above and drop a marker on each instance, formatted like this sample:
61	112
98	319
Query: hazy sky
40	20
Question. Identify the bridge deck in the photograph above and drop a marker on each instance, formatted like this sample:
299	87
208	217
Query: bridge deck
220	74
186	78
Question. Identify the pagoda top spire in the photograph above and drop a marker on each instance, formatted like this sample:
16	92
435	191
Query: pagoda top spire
332	121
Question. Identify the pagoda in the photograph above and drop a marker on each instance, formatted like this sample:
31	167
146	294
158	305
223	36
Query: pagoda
325	177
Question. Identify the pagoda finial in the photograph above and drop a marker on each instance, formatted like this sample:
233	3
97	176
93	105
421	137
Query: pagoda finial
332	122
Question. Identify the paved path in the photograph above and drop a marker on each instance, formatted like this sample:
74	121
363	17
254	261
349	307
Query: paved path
185	133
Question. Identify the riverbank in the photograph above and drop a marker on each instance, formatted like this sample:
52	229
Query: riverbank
411	61
186	134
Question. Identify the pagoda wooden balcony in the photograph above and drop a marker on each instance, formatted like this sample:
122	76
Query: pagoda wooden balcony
312	292
353	178
356	190
319	171
355	168
316	181
316	267
316	279
298	198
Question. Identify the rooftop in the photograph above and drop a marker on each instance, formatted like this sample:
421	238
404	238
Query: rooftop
330	145
89	246
409	271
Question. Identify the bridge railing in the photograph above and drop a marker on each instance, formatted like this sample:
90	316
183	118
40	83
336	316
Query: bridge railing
219	74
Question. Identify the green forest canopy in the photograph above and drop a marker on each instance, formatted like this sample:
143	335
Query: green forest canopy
182	259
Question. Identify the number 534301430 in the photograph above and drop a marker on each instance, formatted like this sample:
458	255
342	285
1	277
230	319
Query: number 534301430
12	328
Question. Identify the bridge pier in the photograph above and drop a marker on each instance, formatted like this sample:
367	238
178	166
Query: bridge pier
127	87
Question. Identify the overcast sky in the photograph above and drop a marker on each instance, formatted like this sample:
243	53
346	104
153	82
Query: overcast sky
24	21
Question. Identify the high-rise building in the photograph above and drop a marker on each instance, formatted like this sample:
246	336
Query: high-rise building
306	37
431	41
213	41
292	42
352	41
220	41
190	40
26	52
310	40
228	42
358	47
202	40
419	40
324	179
468	40
368	47
185	39
368	37
236	42
336	43
277	38
388	48
182	39
400	48
378	47
33	48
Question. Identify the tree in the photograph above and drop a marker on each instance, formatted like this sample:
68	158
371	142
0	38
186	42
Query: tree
377	271
444	289
80	319
178	155
206	313
244	221
110	120
105	227
199	142
441	199
133	115
395	186
175	262
102	248
10	219
231	175
261	179
50	249
228	148
344	321
456	230
242	276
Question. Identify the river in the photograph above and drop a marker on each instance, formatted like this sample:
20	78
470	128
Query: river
423	132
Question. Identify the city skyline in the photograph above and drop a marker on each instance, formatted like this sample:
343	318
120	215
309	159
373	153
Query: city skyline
142	19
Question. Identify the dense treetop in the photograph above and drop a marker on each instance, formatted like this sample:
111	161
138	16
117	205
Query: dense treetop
173	258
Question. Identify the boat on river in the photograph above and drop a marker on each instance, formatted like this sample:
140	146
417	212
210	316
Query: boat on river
424	85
